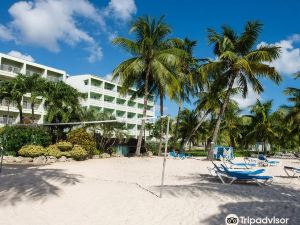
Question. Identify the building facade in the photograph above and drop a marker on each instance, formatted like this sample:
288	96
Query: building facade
9	68
102	95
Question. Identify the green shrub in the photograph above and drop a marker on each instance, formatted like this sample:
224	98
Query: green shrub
78	153
152	147
64	146
53	150
12	138
32	151
84	139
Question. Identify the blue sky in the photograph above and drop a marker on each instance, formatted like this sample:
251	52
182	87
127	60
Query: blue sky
75	35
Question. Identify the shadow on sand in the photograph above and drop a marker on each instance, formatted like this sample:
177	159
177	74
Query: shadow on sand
246	199
29	182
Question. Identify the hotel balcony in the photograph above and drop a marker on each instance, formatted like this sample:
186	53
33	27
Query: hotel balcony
7	120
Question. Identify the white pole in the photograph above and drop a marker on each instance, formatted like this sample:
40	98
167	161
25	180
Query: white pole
165	158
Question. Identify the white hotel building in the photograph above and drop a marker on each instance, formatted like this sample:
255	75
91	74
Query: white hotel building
105	96
102	95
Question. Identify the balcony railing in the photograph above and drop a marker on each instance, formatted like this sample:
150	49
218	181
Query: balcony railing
30	73
28	106
9	68
5	103
6	120
54	79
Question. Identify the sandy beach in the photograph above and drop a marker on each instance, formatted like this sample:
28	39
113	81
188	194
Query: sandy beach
124	191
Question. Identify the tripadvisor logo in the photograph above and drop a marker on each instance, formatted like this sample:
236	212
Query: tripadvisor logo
232	219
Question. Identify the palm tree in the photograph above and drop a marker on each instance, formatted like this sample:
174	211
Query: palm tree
238	62
14	90
185	74
293	110
187	122
262	128
35	85
232	123
62	102
152	59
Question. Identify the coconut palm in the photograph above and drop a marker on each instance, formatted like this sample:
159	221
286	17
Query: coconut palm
262	128
186	73
14	90
35	85
62	102
187	121
239	62
152	59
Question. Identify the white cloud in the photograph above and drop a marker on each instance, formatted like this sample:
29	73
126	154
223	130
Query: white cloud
21	56
289	61
249	100
108	77
5	34
47	23
121	9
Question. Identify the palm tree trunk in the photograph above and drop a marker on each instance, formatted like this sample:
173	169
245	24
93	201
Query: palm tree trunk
161	99
194	130
177	120
139	143
32	112
221	114
21	113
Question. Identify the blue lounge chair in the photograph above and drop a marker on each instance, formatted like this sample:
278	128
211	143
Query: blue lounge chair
268	162
173	154
237	165
238	176
248	172
184	155
295	171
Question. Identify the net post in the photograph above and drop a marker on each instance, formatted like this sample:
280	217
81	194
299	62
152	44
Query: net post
165	156
1	160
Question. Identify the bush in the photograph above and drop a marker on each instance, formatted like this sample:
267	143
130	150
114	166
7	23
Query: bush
78	153
13	138
53	150
152	147
84	139
64	146
32	151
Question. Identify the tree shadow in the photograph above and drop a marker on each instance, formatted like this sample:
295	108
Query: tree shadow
256	209
242	199
29	182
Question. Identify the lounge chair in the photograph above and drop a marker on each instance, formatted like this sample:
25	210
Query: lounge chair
266	161
295	171
173	154
237	165
249	172
184	155
241	176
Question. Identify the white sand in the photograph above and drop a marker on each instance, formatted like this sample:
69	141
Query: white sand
123	191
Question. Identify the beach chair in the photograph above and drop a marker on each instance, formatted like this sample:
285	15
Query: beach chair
184	155
249	172
173	154
237	165
295	171
242	176
266	161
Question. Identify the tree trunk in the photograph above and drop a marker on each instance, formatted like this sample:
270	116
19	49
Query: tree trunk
139	143
220	116
194	130
21	113
32	112
161	99
177	121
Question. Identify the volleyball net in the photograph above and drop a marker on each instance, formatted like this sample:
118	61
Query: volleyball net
95	124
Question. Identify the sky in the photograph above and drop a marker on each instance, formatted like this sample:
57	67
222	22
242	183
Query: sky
75	35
